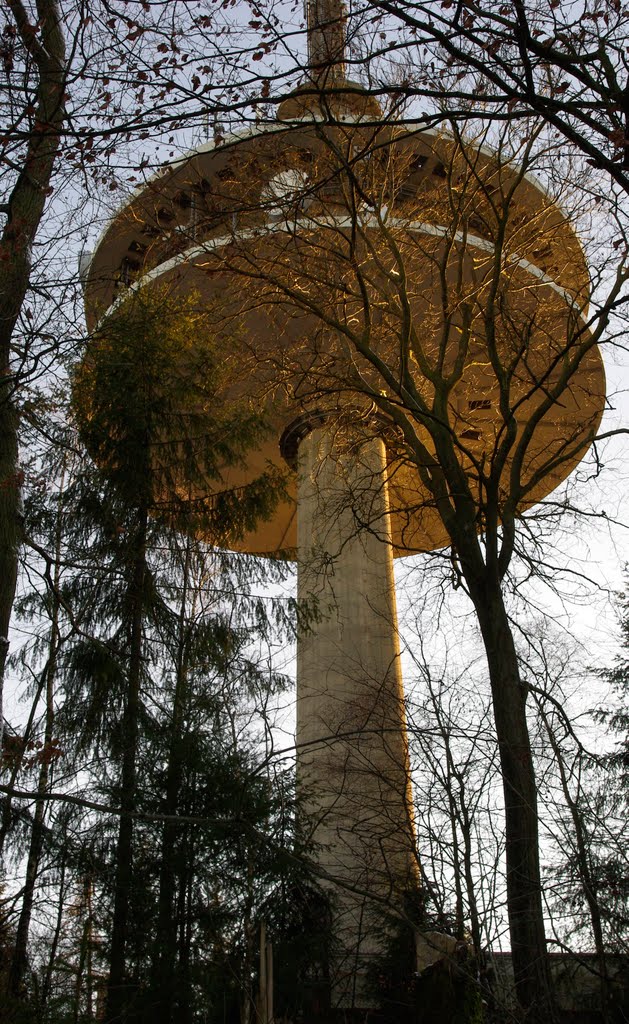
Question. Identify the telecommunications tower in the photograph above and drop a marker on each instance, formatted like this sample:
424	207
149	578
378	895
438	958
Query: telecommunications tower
266	229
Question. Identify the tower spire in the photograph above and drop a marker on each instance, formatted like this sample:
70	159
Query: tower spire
326	39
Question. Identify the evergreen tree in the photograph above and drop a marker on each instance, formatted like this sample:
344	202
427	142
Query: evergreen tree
612	877
145	395
142	649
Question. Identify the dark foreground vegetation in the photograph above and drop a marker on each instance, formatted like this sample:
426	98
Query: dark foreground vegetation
148	821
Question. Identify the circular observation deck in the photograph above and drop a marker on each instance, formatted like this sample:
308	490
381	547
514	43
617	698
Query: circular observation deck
347	261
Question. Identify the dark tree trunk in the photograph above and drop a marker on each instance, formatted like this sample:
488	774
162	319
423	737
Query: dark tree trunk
20	953
470	885
20	958
9	517
24	211
583	864
50	966
118	986
524	892
483	569
7	803
186	909
459	917
164	965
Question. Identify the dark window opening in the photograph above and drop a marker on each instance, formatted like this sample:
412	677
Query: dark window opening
129	270
138	248
226	174
183	200
479	403
202	187
164	216
478	225
417	162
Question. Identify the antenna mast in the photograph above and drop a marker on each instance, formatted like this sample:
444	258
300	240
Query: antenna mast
326	38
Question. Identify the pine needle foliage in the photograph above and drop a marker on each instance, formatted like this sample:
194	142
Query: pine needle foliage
149	401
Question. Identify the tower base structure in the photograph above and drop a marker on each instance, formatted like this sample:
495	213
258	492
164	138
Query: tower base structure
352	756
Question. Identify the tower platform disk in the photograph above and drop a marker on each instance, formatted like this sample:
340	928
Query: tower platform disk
244	225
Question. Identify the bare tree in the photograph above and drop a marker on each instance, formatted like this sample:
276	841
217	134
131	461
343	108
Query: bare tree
489	378
565	66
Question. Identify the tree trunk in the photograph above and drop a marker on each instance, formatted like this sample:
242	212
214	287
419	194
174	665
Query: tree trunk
470	886
10	528
584	868
185	1014
524	891
89	947
117	992
459	917
7	803
24	211
78	983
20	959
249	931
50	966
164	965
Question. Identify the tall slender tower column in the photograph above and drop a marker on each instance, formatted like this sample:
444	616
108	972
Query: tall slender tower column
352	759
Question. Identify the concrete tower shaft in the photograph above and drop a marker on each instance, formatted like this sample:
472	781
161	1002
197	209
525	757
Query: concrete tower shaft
353	770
